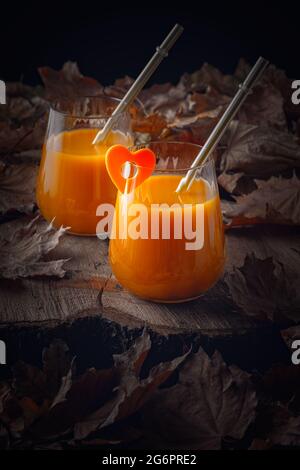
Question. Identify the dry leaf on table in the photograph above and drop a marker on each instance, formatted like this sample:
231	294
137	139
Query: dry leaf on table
209	75
33	389
290	335
168	101
210	403
261	289
22	123
131	394
285	427
264	107
52	402
259	151
17	187
68	82
22	254
276	200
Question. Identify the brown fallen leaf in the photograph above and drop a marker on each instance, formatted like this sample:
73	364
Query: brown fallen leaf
210	403
187	121
42	384
131	394
167	101
22	120
22	254
87	393
4	438
98	389
276	200
135	356
261	289
259	151
29	381
97	400
286	427
289	335
17	187
281	383
273	78
4	394
153	124
28	397
236	183
208	75
57	367
260	444
264	107
68	82
209	100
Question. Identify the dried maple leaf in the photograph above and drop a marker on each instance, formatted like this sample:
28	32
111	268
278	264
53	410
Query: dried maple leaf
30	382
209	75
286	427
32	390
260	444
236	183
22	120
153	124
259	151
207	101
187	121
276	200
280	383
92	401
131	394
291	334
21	254
119	88
261	288
68	82
264	107
97	388
210	402
135	356
168	101
57	367
87	393
17	187
41	384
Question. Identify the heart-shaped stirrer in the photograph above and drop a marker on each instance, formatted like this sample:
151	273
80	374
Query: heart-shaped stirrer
115	159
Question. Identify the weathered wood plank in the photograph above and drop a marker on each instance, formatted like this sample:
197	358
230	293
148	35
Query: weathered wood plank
89	287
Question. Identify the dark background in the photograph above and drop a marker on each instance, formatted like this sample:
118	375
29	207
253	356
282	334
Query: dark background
111	41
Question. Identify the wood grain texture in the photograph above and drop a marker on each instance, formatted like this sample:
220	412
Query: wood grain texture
89	289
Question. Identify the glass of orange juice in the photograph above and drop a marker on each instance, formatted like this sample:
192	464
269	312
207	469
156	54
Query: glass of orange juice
72	179
164	246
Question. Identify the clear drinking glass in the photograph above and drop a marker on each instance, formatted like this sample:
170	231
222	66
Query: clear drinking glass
72	178
164	246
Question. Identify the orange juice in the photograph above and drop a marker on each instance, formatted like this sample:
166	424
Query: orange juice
164	269
73	179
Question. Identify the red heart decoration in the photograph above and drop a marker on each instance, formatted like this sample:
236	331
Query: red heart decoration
118	155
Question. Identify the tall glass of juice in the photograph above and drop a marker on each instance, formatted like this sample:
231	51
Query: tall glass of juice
73	180
165	246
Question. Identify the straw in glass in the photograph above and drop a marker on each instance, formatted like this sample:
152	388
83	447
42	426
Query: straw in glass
160	54
217	133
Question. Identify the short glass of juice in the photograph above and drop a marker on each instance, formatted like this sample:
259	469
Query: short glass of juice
165	246
72	180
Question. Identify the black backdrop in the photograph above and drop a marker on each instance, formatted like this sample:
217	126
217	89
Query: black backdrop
111	41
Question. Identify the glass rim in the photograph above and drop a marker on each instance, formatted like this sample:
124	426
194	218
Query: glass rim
208	161
89	116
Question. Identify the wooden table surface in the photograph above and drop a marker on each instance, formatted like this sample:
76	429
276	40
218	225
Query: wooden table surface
89	299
